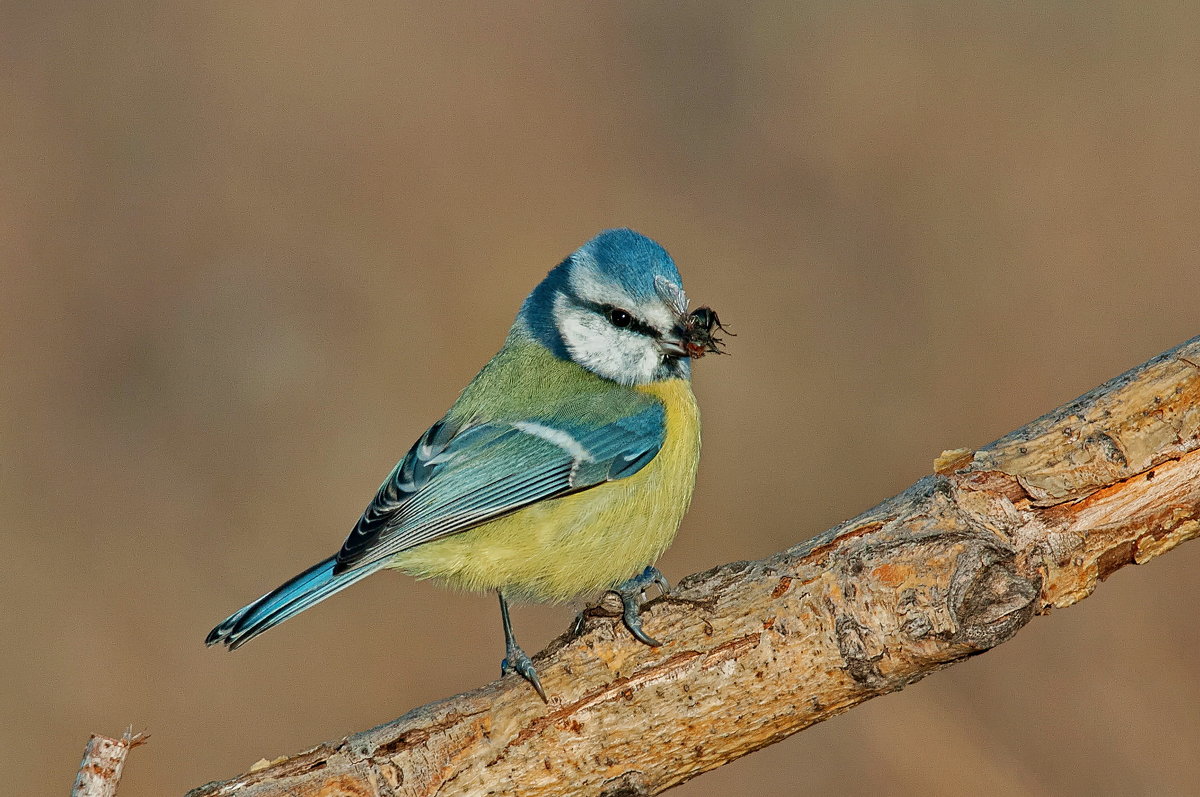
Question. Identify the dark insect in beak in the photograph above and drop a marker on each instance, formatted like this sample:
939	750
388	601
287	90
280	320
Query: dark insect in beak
698	333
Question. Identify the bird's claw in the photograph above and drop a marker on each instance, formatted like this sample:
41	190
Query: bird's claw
579	625
637	586
631	593
515	660
632	618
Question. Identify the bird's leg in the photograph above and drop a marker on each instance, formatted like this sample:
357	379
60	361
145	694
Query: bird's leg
515	659
631	594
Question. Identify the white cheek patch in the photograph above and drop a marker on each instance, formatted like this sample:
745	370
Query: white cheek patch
617	354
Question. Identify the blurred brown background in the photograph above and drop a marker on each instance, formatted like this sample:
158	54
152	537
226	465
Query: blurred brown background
250	250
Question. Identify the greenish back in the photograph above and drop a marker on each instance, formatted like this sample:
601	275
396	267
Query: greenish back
525	380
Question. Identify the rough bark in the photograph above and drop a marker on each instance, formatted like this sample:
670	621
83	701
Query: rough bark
756	651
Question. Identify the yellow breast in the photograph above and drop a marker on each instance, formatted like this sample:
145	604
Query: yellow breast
580	544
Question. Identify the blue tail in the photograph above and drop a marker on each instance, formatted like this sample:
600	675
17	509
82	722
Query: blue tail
307	589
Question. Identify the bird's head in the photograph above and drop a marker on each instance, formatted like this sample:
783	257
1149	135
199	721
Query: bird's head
616	306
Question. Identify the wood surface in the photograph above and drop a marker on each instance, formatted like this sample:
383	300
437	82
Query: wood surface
103	762
756	651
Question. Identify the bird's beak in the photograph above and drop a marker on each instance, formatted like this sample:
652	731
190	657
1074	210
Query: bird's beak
673	346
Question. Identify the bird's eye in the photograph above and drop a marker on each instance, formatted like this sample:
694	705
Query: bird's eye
619	318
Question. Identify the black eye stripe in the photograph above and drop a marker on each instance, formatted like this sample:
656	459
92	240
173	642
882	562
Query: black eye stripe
635	324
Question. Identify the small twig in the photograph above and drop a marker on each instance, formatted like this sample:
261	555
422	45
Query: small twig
103	761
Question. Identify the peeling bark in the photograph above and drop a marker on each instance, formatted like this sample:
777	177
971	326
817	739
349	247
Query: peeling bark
756	651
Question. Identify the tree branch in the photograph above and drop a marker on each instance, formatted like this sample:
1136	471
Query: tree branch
103	763
756	651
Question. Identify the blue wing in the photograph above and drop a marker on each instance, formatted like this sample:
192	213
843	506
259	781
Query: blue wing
458	477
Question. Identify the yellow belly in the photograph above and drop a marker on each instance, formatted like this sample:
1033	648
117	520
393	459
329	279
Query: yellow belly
580	544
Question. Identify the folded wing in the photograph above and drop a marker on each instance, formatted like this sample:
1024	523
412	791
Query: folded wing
458	477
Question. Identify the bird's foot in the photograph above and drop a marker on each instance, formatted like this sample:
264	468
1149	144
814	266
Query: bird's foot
650	577
631	593
515	660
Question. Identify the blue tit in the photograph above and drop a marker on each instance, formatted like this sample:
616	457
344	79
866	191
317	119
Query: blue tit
563	469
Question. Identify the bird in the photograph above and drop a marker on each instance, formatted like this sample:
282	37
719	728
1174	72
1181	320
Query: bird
563	469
